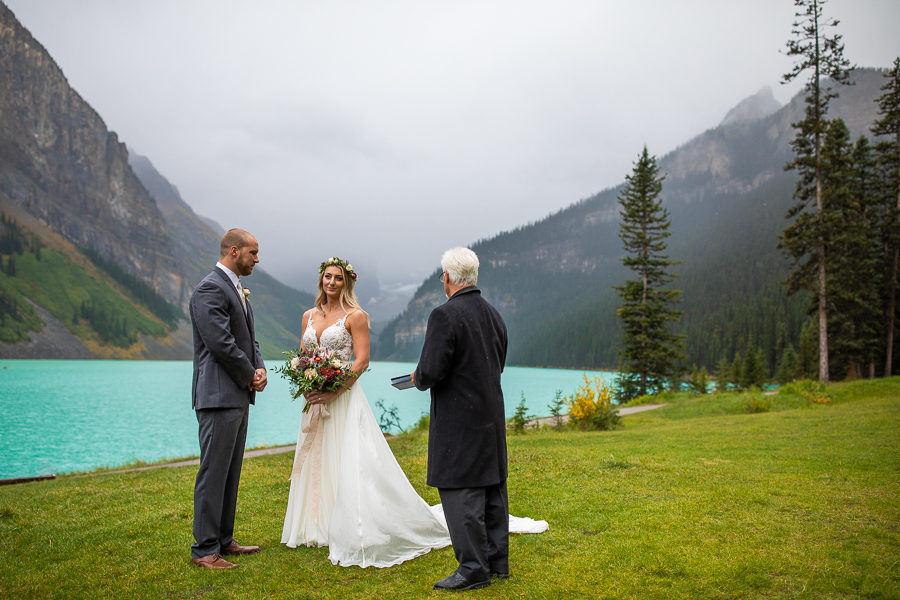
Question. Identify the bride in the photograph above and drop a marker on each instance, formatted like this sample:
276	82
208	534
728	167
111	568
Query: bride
347	490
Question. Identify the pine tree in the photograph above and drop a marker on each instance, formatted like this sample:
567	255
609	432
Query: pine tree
868	285
734	373
851	233
809	349
788	366
889	154
723	376
649	350
805	238
699	380
753	370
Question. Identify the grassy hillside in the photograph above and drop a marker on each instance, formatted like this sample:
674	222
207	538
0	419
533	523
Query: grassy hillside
108	311
698	499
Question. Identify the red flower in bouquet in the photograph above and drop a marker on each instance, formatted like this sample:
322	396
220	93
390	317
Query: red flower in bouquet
314	369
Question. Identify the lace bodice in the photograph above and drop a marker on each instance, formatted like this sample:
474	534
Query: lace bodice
335	337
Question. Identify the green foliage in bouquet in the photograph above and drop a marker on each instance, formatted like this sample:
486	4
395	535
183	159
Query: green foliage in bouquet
315	369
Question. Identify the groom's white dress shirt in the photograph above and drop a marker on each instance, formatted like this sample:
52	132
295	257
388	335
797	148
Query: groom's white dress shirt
235	281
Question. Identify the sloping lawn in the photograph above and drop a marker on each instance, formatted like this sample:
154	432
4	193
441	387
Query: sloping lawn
698	499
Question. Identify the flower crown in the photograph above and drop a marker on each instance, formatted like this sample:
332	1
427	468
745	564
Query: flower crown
336	262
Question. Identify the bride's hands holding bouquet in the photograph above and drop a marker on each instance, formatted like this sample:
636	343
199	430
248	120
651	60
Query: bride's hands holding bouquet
321	397
316	374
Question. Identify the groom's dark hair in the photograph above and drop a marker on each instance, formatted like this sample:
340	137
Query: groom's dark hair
233	237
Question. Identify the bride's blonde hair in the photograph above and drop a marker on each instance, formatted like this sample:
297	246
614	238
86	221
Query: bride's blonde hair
348	299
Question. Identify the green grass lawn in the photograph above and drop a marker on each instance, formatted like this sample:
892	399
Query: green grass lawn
698	499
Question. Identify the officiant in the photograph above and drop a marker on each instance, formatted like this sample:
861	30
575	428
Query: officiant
462	358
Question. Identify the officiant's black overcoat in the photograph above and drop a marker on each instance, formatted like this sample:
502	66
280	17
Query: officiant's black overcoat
461	361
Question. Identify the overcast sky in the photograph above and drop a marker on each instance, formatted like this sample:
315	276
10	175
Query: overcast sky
386	131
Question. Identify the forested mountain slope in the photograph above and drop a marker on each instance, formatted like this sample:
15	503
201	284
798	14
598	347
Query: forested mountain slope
727	194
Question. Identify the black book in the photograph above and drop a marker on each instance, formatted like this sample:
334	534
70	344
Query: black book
402	382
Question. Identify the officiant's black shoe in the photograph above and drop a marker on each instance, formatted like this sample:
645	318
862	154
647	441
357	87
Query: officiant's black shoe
234	548
458	582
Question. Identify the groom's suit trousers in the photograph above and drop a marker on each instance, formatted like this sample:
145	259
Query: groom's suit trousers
223	433
478	520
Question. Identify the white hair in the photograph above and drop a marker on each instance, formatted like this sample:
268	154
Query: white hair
461	265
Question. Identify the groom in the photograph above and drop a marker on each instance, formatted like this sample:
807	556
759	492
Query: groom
228	371
462	358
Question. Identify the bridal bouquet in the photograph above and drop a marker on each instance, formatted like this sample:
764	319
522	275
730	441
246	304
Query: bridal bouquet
314	369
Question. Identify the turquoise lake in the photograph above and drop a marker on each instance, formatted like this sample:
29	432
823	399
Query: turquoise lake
58	416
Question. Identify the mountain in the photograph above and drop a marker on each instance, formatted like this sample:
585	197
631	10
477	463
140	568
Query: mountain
277	307
759	105
98	252
727	194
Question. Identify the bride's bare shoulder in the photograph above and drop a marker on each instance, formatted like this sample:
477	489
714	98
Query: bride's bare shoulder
357	318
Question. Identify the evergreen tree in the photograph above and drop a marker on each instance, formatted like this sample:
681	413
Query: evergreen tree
851	234
889	154
649	350
723	375
788	366
699	380
734	373
809	349
805	238
752	368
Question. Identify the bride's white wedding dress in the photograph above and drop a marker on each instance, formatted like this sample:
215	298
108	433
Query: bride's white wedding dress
347	490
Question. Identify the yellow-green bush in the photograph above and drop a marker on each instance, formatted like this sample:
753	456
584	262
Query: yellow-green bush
590	407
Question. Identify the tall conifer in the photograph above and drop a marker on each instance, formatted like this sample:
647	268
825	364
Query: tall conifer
805	241
889	155
852	239
649	351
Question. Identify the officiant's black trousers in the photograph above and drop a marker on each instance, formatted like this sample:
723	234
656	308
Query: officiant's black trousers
478	520
223	433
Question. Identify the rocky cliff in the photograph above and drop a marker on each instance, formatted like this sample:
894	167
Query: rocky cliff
107	251
59	163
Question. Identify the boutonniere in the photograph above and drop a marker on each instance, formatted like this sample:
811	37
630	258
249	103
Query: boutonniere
246	293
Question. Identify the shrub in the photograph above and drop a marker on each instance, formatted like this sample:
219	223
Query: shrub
423	423
590	407
814	391
519	421
389	419
698	382
659	398
756	402
555	409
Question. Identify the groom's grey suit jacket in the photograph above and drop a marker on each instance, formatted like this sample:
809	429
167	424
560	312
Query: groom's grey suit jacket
226	354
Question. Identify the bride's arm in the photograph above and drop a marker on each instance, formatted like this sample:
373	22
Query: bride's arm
303	321
359	330
358	325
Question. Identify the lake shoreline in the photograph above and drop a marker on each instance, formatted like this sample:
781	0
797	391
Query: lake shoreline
78	416
264	451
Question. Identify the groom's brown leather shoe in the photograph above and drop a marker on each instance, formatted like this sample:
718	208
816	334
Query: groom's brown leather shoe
213	561
235	548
